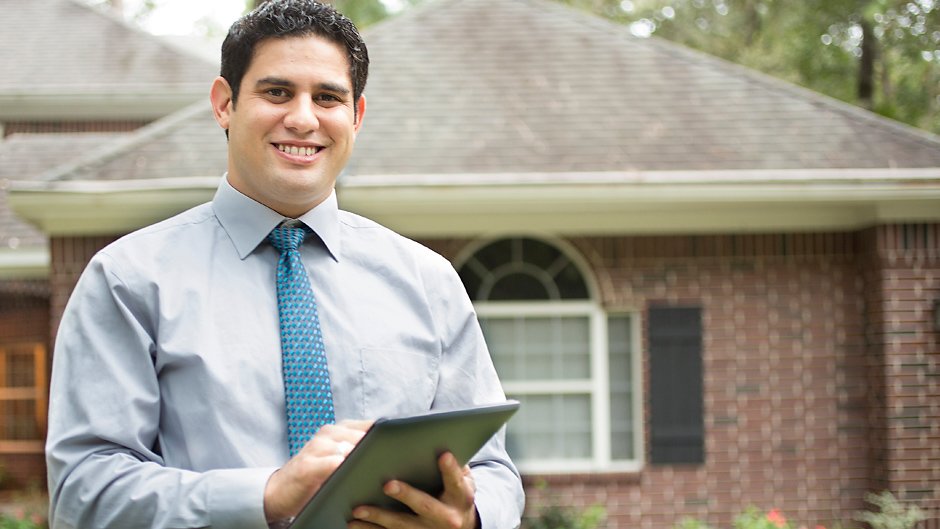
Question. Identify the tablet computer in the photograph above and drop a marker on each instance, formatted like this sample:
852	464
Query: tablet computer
406	449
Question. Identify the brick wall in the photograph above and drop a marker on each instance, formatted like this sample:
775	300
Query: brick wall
24	317
786	373
820	369
902	283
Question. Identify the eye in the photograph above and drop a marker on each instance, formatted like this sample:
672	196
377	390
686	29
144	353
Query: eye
328	99
277	93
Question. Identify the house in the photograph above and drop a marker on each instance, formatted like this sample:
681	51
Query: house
709	288
73	80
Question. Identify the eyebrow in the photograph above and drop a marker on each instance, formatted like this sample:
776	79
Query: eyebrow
277	81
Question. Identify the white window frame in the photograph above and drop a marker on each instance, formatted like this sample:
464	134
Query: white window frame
597	388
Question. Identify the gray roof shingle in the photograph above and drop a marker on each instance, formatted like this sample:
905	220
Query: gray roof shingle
26	157
66	46
530	86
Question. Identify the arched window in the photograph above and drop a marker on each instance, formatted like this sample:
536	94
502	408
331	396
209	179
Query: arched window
557	351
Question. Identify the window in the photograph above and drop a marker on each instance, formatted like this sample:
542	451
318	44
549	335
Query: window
571	365
22	397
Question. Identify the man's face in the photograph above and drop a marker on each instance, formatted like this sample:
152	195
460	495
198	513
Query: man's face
294	125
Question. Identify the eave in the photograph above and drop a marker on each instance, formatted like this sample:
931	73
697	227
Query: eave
625	203
98	103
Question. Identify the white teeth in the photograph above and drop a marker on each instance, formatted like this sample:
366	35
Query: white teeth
297	151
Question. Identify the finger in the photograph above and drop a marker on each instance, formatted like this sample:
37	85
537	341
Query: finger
420	502
361	524
459	489
367	517
356	424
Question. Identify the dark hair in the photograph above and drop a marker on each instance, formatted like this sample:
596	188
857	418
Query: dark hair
292	18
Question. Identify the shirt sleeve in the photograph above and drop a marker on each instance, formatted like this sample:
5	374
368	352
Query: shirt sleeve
102	449
467	377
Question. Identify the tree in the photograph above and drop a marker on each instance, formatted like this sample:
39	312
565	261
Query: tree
362	12
880	54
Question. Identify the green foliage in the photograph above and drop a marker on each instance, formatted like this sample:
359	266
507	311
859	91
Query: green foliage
752	518
891	514
816	44
22	522
558	517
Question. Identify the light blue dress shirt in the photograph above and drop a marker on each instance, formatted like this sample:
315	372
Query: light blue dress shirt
167	403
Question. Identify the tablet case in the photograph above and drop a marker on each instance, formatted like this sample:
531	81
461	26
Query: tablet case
405	449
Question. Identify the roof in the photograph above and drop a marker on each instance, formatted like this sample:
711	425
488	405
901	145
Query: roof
489	115
25	157
529	86
480	86
55	49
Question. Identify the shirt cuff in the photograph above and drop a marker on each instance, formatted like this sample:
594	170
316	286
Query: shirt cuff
236	498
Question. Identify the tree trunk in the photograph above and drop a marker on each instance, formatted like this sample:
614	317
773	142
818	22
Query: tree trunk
866	66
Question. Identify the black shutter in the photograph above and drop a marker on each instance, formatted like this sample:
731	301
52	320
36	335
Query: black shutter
677	423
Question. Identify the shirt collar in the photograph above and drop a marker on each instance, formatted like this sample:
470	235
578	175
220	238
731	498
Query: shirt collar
247	222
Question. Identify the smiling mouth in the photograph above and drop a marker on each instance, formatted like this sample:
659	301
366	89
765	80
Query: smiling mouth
294	150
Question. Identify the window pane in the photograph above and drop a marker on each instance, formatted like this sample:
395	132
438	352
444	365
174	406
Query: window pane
495	254
18	420
518	286
533	270
571	284
619	346
539	348
471	281
550	427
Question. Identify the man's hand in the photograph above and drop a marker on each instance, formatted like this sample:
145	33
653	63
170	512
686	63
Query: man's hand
453	509
292	486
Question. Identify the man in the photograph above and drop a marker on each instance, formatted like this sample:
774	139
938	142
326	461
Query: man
168	405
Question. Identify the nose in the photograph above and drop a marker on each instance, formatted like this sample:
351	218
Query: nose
301	116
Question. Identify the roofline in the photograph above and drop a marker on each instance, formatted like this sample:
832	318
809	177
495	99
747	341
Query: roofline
97	105
631	203
24	263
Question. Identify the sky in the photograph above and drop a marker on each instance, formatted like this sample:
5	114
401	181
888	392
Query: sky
185	17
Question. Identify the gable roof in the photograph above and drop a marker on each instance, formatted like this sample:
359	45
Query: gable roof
480	86
516	108
63	58
529	86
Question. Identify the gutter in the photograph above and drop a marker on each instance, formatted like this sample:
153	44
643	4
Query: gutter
468	205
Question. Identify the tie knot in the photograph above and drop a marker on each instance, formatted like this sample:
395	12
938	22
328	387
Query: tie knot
286	238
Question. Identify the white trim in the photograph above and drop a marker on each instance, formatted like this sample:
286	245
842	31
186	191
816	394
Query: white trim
639	394
24	263
600	399
533	308
98	103
670	177
597	387
497	205
576	466
550	386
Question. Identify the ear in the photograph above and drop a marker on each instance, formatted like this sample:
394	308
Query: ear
360	112
221	98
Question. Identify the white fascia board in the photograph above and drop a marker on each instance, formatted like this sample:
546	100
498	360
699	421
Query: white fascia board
645	202
106	207
146	103
567	203
24	263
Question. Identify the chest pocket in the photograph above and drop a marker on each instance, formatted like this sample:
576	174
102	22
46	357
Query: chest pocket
397	382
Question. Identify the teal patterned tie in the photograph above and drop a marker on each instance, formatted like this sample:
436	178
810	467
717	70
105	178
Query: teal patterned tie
307	389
